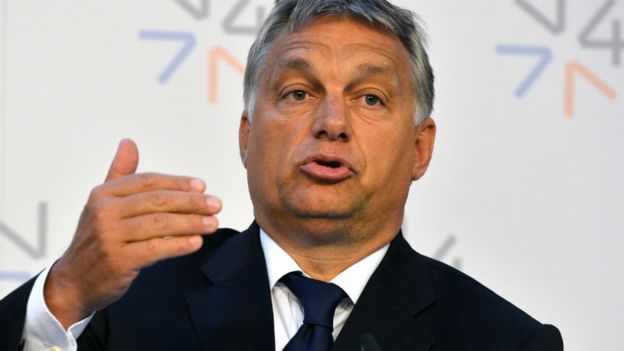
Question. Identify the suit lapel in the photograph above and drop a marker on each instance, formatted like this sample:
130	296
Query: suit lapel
393	305
235	313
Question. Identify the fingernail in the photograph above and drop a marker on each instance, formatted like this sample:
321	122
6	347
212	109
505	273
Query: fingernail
213	203
208	222
194	240
197	184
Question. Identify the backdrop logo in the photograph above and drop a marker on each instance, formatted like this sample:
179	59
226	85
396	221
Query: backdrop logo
187	42
574	69
35	251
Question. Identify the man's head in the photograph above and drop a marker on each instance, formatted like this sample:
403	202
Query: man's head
290	15
332	147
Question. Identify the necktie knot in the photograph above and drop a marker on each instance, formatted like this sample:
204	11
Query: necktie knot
319	300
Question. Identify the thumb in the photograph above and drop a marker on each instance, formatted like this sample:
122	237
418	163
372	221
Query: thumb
126	160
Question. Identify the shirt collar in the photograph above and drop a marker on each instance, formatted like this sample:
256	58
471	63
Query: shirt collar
352	280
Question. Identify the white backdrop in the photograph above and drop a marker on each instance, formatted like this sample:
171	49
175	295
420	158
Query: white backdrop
525	192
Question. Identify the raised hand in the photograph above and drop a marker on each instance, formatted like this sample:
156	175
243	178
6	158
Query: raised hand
129	222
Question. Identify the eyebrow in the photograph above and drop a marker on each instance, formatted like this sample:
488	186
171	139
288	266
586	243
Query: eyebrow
296	64
372	70
385	72
363	71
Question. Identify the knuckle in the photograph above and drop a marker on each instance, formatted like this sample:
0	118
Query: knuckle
182	183
153	247
160	221
147	179
101	211
158	198
95	194
197	201
181	245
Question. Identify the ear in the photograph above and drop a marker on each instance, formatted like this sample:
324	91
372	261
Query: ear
243	136
425	138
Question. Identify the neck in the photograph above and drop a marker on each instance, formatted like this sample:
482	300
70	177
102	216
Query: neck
322	250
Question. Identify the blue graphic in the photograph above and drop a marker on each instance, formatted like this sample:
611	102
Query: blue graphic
15	276
542	52
186	38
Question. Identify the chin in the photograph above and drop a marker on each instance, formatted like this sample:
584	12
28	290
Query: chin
329	202
319	210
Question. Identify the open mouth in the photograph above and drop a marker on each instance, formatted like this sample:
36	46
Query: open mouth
330	164
327	169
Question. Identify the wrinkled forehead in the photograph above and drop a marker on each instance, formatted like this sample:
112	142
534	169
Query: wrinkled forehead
343	37
332	24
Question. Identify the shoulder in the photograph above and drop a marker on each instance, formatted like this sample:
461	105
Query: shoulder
469	313
156	301
471	297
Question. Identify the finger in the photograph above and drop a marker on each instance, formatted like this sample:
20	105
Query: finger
125	161
151	251
166	224
168	201
142	182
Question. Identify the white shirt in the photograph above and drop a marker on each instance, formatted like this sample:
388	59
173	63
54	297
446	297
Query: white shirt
43	331
287	310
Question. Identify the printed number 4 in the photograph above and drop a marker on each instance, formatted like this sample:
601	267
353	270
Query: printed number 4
615	44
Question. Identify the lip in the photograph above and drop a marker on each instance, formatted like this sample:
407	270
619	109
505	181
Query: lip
326	168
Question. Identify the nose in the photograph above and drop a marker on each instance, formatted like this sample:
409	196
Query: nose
332	121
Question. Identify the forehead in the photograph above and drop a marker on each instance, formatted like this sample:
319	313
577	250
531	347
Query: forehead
341	38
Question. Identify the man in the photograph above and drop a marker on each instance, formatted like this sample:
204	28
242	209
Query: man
336	127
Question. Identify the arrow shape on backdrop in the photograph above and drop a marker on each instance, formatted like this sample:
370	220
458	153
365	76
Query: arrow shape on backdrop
541	52
574	68
199	11
188	43
555	26
446	246
219	54
39	250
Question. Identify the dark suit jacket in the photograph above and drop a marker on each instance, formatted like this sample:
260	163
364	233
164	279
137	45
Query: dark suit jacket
219	299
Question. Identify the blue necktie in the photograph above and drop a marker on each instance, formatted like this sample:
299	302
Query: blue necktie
319	300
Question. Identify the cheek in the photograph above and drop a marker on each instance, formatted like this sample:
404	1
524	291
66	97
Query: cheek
389	155
271	145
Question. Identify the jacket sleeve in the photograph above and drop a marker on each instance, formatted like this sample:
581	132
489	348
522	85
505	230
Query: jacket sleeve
13	317
544	338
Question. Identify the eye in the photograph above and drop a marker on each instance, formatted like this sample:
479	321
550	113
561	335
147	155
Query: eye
372	100
297	95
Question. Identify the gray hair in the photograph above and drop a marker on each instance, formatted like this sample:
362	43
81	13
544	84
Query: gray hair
294	14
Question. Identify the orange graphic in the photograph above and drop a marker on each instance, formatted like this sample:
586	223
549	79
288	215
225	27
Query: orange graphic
571	69
217	54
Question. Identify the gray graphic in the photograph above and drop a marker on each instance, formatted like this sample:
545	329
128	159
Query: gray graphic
230	22
443	250
615	44
556	26
39	250
199	11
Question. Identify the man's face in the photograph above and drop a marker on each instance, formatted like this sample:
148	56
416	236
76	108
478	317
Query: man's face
332	140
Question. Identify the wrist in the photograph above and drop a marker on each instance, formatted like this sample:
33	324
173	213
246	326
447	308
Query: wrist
62	298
